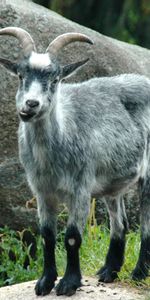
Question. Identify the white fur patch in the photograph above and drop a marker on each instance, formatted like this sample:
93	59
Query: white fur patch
71	242
144	165
39	60
35	91
60	113
39	155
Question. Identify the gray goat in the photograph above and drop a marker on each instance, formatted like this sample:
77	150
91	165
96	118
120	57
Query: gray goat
77	141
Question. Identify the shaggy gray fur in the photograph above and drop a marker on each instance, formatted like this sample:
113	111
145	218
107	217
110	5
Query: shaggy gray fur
82	140
97	145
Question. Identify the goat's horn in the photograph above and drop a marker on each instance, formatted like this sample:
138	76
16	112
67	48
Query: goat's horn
65	39
24	37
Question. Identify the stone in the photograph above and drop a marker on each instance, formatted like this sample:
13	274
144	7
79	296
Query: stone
90	290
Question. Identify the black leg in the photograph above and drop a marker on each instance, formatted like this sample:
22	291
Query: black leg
143	265
141	270
72	278
118	227
47	281
114	260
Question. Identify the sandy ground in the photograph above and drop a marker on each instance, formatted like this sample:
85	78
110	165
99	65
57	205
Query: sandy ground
91	290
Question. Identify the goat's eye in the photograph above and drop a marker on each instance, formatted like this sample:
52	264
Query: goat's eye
20	76
53	84
55	81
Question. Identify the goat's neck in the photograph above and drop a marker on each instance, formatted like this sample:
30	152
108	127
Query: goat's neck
44	131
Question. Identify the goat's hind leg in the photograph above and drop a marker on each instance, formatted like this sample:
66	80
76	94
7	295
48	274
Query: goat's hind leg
78	212
143	265
118	228
47	217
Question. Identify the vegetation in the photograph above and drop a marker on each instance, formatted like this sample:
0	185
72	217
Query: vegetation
21	260
127	20
14	253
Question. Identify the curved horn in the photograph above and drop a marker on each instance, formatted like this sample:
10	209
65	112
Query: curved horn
65	39
24	37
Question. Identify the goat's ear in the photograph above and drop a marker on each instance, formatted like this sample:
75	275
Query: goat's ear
69	69
9	65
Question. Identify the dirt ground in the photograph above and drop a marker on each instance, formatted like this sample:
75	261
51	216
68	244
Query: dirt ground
91	289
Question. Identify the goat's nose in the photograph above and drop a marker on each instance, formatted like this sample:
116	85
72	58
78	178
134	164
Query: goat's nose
32	103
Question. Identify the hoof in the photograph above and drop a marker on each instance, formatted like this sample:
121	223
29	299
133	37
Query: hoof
106	274
68	285
139	274
44	286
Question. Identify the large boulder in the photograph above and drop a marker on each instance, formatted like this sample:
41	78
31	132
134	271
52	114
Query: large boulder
90	290
107	57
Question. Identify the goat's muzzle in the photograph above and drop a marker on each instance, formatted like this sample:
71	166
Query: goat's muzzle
29	110
26	115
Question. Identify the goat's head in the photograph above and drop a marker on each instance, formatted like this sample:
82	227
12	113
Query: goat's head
39	73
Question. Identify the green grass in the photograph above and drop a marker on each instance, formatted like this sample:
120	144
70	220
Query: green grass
93	252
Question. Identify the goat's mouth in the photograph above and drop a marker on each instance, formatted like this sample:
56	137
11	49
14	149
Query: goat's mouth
26	116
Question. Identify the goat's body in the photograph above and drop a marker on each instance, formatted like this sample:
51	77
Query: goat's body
96	141
77	141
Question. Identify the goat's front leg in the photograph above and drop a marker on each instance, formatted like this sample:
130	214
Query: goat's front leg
47	217
118	228
78	212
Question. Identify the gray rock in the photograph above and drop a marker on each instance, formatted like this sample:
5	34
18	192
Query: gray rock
107	57
91	290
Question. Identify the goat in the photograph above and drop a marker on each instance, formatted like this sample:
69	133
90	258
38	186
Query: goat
77	141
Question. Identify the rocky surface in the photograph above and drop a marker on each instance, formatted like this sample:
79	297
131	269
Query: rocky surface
107	57
90	290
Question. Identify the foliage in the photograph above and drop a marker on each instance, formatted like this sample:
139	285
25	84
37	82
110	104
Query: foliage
20	261
127	20
95	244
